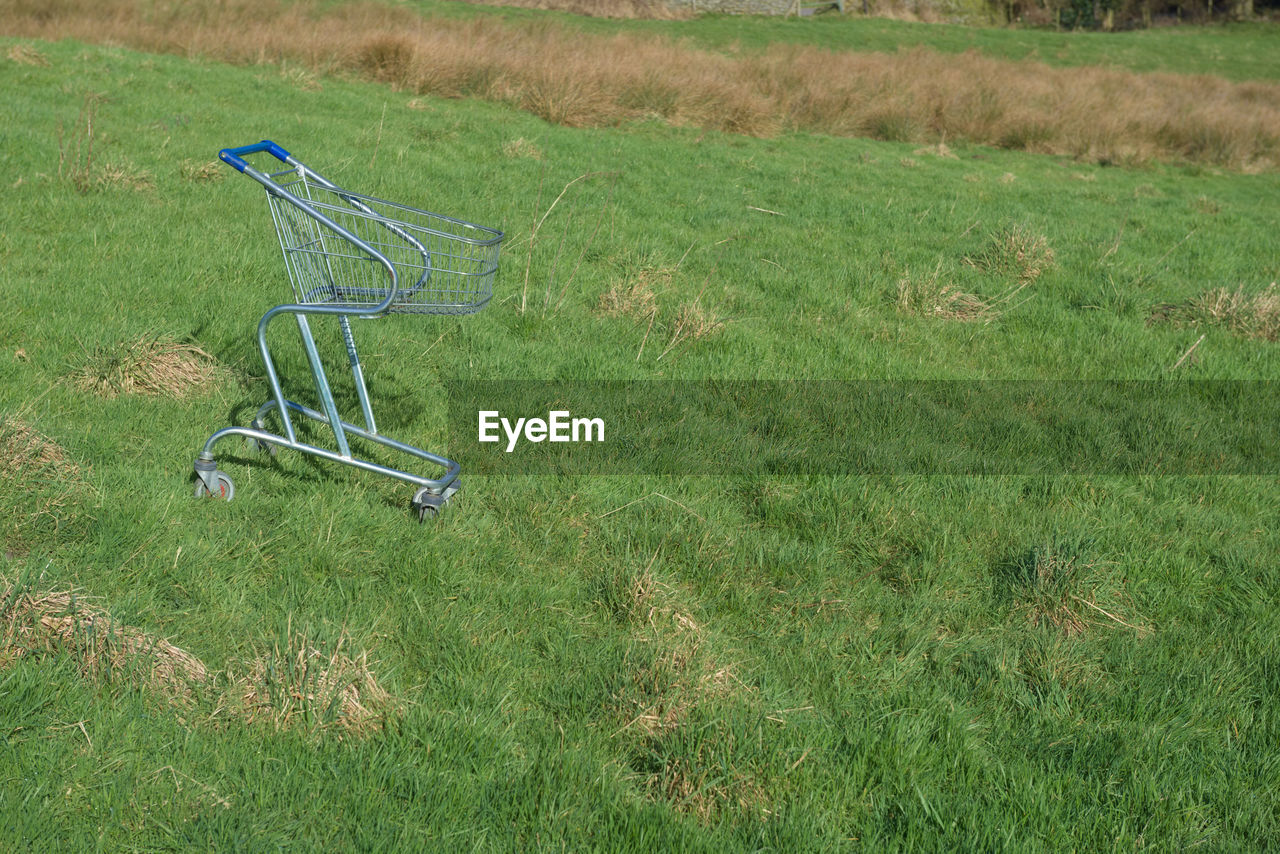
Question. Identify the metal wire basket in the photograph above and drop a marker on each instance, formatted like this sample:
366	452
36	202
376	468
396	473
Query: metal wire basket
443	265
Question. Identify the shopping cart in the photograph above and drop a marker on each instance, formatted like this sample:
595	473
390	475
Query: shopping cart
350	255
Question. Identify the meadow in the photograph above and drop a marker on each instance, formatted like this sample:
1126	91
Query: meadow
636	662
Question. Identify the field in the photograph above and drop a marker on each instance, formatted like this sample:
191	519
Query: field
640	662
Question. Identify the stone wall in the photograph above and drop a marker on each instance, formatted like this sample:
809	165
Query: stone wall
735	7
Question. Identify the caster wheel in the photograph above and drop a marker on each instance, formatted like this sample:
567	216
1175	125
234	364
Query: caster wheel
257	446
225	492
428	505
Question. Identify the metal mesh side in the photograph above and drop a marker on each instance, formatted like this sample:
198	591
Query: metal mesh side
444	265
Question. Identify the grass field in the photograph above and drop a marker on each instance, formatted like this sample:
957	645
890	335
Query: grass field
627	662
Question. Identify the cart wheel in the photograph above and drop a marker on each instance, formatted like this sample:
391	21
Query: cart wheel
427	505
257	446
226	489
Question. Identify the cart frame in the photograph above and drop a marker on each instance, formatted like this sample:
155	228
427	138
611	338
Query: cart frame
354	268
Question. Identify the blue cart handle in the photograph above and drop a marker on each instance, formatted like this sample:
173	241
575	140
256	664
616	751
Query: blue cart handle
235	156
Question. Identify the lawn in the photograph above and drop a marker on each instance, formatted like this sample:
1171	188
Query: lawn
645	661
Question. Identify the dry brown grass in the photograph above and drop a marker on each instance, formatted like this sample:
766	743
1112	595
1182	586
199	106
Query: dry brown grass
294	686
25	454
38	480
210	171
301	683
931	295
521	147
1249	315
628	9
1097	114
34	622
25	54
636	298
150	366
1017	252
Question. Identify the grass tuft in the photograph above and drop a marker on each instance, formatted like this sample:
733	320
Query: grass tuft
38	481
40	622
304	681
206	172
521	147
25	54
150	366
1017	252
1248	315
1057	584
932	296
637	298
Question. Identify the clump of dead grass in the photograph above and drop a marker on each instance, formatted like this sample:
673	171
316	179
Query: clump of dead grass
636	298
932	296
25	54
296	685
124	175
205	172
680	675
41	622
521	147
1249	315
1017	252
304	681
38	480
149	366
25	454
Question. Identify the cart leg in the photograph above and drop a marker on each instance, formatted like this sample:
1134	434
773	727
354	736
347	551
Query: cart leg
272	376
356	371
322	387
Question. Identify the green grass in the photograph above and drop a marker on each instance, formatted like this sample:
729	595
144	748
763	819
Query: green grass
643	662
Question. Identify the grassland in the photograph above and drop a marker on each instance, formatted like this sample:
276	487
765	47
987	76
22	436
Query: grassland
613	663
569	76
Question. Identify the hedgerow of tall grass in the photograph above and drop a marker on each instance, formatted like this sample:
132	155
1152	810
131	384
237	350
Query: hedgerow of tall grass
567	77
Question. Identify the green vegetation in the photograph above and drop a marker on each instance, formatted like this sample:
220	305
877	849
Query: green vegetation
614	663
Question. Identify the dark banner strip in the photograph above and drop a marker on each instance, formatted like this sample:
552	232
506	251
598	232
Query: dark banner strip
865	427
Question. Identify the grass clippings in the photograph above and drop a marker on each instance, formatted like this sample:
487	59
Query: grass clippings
1249	315
149	366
